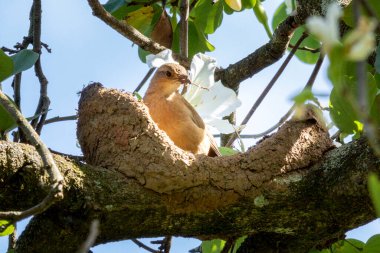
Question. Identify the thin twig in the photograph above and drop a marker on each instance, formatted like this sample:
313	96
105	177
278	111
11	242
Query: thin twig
10	51
46	46
93	234
44	101
361	71
184	33
55	177
15	216
228	245
184	27
59	118
131	33
353	245
12	239
268	88
308	85
165	244
308	49
16	83
74	157
336	136
143	81
142	245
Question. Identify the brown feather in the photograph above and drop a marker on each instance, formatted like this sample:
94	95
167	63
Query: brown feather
173	114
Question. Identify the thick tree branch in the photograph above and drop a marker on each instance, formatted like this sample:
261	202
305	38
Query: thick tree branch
146	180
55	178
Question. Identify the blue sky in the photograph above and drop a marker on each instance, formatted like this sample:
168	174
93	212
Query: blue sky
84	49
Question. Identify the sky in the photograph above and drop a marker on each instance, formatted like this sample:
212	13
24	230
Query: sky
84	49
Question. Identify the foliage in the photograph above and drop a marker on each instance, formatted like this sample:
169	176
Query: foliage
354	99
6	228
310	42
217	245
205	18
353	246
374	190
11	65
227	151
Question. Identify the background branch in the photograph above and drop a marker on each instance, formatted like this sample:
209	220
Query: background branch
266	90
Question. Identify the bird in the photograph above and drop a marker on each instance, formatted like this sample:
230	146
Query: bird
174	115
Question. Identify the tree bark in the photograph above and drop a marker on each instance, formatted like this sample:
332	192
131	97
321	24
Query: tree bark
293	190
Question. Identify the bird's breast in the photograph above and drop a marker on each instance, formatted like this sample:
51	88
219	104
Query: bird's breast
175	118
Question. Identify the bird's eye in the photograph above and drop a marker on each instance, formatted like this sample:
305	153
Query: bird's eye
168	73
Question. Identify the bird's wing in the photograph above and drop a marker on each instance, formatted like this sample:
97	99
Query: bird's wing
194	115
214	150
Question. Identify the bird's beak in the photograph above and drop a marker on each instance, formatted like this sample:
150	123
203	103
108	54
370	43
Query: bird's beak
184	79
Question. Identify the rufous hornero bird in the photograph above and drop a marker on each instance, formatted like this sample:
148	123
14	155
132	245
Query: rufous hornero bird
174	115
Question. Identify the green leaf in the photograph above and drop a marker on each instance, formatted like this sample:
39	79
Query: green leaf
248	4
207	15
23	60
142	54
6	228
319	251
373	243
227	9
348	14
6	66
344	96
374	191
141	19
212	246
114	5
377	78
137	95
348	246
238	243
303	96
343	110
198	42
375	111
377	62
7	122
227	151
262	17
279	16
310	42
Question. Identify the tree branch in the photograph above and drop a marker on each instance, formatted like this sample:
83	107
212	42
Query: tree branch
44	101
147	180
55	177
267	89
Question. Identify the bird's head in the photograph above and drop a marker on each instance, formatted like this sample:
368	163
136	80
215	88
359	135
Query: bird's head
168	78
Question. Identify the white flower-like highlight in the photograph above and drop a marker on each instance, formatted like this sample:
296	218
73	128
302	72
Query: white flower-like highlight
211	99
155	61
326	29
361	42
290	6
